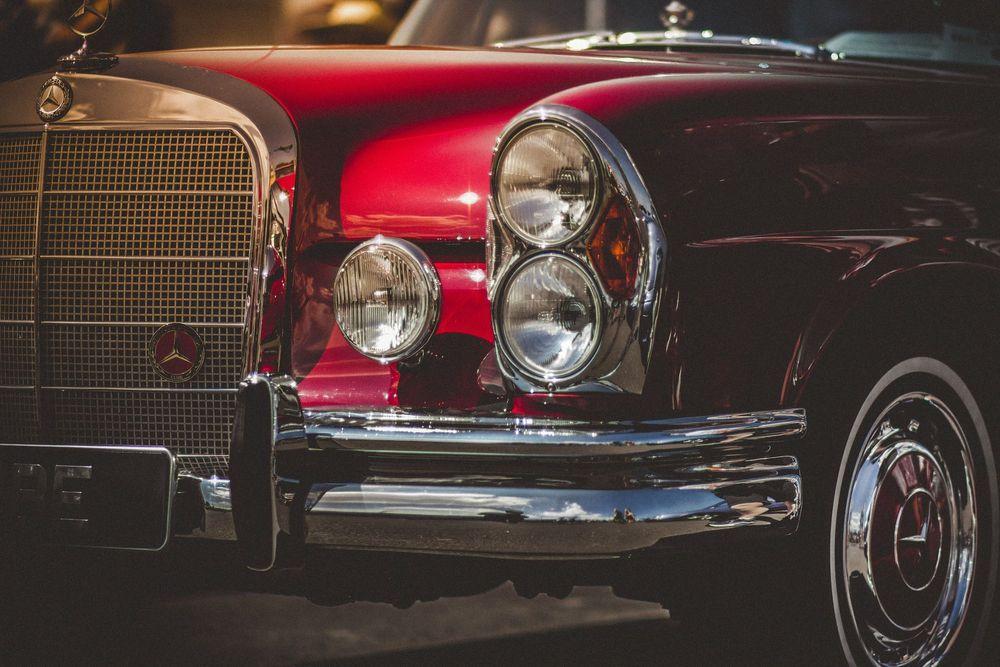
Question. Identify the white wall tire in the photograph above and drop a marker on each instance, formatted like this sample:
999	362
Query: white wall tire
918	460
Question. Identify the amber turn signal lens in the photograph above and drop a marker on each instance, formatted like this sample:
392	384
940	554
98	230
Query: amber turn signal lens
614	251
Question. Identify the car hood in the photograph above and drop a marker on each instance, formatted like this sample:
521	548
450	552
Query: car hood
398	141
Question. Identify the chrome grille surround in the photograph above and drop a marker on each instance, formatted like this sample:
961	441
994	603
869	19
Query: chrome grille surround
143	206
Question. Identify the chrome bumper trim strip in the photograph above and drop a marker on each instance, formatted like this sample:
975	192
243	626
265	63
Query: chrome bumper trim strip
545	523
319	478
527	522
398	433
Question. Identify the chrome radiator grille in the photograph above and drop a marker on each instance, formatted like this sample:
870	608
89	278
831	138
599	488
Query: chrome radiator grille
106	235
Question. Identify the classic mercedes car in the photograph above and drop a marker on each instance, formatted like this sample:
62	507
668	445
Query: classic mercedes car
603	296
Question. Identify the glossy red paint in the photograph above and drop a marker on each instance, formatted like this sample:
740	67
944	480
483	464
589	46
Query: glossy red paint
396	183
341	376
396	142
827	183
431	114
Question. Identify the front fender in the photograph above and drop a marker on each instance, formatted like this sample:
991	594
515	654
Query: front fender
756	320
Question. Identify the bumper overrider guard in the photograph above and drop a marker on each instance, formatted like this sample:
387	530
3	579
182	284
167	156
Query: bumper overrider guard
496	486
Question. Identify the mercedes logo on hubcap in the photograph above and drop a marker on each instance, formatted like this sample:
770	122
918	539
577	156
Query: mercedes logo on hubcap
918	540
177	352
909	537
54	99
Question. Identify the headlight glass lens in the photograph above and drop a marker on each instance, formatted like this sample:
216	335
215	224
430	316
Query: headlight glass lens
547	184
550	316
386	296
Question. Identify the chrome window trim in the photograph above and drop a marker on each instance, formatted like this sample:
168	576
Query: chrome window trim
648	39
624	356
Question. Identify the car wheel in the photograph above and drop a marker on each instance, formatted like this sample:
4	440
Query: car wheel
912	558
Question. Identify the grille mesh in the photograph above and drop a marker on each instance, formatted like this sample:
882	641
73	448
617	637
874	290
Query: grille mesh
137	229
151	225
20	424
105	356
16	301
128	290
17	351
19	162
190	424
150	160
17	224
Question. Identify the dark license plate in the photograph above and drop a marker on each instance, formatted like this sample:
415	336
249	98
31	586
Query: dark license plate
114	497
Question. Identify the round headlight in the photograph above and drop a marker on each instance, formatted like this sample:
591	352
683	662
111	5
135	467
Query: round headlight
550	316
547	184
387	298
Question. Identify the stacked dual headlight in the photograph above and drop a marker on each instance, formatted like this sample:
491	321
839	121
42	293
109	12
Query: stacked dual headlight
546	191
565	253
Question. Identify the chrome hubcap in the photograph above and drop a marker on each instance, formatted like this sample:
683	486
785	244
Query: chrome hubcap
909	534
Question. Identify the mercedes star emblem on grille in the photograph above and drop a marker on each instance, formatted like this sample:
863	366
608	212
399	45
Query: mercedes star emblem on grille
54	99
177	352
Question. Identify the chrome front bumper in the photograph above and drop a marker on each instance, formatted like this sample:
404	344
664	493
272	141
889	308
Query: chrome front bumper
508	487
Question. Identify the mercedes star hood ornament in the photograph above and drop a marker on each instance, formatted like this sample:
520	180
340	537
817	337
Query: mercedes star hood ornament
86	22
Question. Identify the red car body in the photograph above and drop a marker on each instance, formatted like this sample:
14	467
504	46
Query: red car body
759	166
810	223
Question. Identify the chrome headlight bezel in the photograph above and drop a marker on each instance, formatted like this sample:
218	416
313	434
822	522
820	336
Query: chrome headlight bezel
422	267
621	362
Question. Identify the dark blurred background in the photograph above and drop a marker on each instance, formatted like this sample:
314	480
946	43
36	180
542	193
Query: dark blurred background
33	33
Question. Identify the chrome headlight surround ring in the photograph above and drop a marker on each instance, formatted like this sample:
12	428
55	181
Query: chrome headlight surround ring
622	360
431	282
